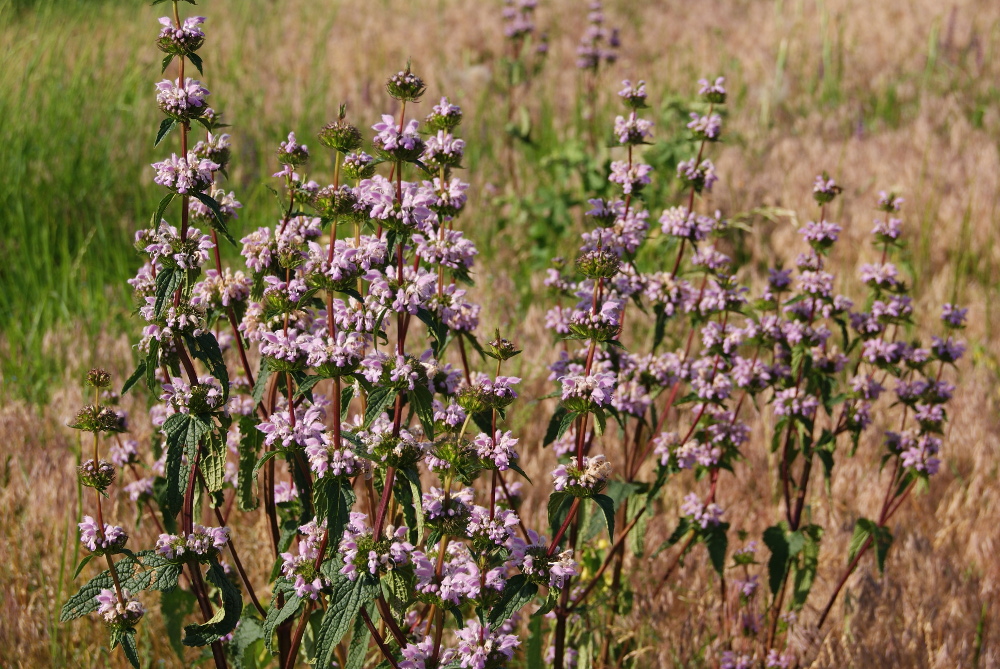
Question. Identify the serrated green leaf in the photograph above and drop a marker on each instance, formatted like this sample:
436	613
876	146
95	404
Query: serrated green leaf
83	563
358	648
129	647
248	640
260	384
251	440
196	61
167	282
152	358
277	615
166	59
137	375
423	405
160	208
217	220
334	499
213	463
224	621
83	602
378	401
558	507
166	125
863	530
516	593
205	347
263	460
777	565
183	431
717	542
346	599
607	507
554	430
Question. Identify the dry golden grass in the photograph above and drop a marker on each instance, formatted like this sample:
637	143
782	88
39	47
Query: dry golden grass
803	74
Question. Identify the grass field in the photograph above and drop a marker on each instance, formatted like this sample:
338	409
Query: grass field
899	94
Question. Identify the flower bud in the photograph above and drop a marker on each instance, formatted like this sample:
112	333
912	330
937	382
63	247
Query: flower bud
598	264
97	475
340	136
98	378
406	86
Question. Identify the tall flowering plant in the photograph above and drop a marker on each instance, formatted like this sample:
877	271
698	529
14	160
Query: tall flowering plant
352	408
682	396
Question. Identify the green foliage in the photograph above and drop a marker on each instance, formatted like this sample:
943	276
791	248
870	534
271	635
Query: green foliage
346	600
225	619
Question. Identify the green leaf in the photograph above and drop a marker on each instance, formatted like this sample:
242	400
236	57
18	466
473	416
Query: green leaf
334	499
305	385
83	602
260	385
637	537
277	615
251	440
175	605
607	505
168	58
137	375
358	648
423	405
183	431
166	125
516	593
263	460
213	463
196	61
378	400
83	563
167	283
413	509
129	647
806	566
224	621
205	347
883	541
346	599
396	591
717	541
863	530
160	208
152	359
777	565
217	221
554	430
558	507
248	640
551	599
346	393
601	421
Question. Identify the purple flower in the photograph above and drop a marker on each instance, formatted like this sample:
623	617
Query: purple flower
703	515
630	177
633	130
953	317
479	646
112	538
119	614
185	175
498	451
181	102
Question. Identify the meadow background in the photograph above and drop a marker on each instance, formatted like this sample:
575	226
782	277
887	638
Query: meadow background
897	94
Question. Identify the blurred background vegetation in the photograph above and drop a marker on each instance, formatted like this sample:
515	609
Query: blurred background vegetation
912	95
